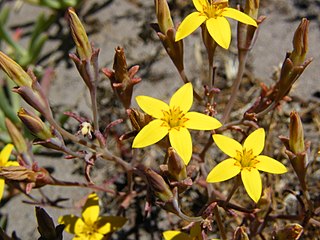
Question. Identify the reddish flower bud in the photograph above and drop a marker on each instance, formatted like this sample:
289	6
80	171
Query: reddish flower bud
176	166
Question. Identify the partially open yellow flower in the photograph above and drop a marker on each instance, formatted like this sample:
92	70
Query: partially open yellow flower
4	157
173	119
245	159
213	13
90	226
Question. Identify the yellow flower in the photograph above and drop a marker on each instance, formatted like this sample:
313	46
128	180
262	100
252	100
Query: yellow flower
173	119
4	157
90	226
213	13
245	159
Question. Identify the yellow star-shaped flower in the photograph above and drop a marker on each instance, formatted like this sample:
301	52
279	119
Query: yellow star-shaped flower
173	119
90	226
213	13
245	159
4	157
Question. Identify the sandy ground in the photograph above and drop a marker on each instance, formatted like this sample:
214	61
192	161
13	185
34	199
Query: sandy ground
119	24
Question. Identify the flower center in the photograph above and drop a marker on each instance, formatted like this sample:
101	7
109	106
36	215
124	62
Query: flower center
88	230
214	8
246	158
174	117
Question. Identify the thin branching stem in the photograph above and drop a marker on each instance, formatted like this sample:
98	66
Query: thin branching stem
236	84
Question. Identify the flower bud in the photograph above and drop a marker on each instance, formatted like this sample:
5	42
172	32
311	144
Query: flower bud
138	119
79	36
294	63
35	98
176	166
240	234
156	182
300	43
35	125
290	231
163	15
297	149
252	8
296	135
16	137
247	34
122	80
14	71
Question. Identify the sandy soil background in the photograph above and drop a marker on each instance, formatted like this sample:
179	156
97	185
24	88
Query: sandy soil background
126	23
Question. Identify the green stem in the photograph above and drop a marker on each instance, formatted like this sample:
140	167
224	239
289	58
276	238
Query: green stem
236	84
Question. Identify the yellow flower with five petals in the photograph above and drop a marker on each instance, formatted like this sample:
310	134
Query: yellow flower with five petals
213	13
173	119
245	159
91	226
4	157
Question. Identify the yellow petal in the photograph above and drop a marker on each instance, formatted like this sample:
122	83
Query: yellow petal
199	121
5	154
152	106
199	4
255	141
189	24
91	209
219	30
153	132
270	165
239	16
252	183
223	171
69	221
176	235
109	224
2	183
181	141
182	98
12	163
80	227
227	145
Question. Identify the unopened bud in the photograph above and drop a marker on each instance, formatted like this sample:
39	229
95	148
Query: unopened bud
79	36
176	166
163	15
296	137
252	8
35	97
16	136
300	43
138	119
35	125
290	231
122	80
160	188
14	71
240	234
247	34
